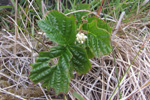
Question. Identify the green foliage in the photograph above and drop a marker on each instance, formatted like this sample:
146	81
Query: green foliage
79	15
70	54
59	28
57	76
99	33
79	61
98	39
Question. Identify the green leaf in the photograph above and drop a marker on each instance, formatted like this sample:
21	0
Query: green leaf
100	24
79	15
89	53
79	61
71	69
57	76
58	27
54	52
98	39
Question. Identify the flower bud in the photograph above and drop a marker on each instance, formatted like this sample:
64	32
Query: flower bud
80	37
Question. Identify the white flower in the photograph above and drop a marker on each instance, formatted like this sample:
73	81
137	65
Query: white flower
80	37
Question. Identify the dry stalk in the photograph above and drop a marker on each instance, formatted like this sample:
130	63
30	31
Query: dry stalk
16	29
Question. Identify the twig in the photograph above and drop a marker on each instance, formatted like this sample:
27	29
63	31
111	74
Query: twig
12	3
43	92
30	44
138	15
129	67
31	3
82	11
108	80
28	18
43	8
8	77
34	9
27	33
57	5
19	43
12	73
17	96
146	1
79	91
106	73
118	24
16	30
10	57
93	85
94	13
136	91
103	85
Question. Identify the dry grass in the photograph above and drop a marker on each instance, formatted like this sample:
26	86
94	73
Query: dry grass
15	69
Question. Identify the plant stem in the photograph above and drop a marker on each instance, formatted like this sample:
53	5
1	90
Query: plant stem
116	71
57	5
100	7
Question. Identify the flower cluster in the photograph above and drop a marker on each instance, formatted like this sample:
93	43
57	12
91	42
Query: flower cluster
80	37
